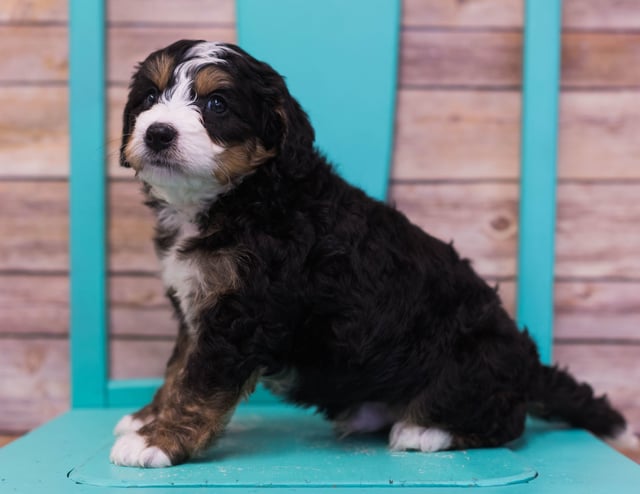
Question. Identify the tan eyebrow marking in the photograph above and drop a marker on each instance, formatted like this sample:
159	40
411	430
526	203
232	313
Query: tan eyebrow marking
209	79
159	70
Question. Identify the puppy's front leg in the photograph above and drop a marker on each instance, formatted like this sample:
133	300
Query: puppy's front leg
134	421
188	419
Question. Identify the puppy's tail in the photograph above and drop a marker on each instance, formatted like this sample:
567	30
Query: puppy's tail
556	394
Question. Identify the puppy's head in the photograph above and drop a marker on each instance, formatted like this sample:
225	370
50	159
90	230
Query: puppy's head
207	112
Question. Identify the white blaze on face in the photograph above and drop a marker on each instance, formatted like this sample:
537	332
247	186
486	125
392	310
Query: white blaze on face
184	171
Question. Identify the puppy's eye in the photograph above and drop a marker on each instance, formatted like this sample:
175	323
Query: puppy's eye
216	104
150	99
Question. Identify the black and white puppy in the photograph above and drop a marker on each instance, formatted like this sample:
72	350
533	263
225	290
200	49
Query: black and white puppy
280	271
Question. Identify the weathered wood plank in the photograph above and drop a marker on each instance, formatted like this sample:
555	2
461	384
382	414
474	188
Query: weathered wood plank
15	11
171	12
577	14
138	306
581	14
138	358
34	382
33	53
481	219
453	58
34	136
597	135
597	310
129	46
597	234
457	134
596	60
130	230
34	226
597	226
453	13
34	304
494	59
38	304
601	14
440	134
597	231
38	54
476	134
490	59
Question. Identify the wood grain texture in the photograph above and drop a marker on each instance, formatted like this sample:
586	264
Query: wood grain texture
459	58
34	381
597	226
491	14
493	59
445	134
601	14
39	54
481	219
139	358
34	226
597	310
486	59
454	13
440	134
172	12
597	231
129	46
577	14
138	306
597	234
33	305
20	11
34	137
457	134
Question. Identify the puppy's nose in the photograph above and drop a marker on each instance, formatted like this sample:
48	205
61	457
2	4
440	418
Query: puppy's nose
159	136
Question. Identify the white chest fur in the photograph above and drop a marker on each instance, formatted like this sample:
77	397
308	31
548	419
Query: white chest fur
180	273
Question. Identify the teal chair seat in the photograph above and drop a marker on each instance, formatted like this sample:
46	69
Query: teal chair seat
340	58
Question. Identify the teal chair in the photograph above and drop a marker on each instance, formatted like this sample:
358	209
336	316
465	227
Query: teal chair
270	444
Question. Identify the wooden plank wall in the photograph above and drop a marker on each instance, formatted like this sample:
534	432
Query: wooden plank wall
455	174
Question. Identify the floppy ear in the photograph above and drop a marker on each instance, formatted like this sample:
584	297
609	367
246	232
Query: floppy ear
297	134
285	126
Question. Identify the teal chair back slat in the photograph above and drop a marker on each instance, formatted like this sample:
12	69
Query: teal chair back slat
88	297
340	61
536	244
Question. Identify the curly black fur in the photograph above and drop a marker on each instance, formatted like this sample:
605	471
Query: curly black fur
346	295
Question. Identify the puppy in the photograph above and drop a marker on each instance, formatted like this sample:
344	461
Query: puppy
280	271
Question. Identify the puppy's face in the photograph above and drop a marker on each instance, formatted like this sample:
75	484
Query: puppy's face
206	112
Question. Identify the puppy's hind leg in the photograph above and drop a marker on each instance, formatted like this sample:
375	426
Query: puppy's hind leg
491	423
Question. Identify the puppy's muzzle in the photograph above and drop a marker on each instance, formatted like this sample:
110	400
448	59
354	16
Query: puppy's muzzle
160	136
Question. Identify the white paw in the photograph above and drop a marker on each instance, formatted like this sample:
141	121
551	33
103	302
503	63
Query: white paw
129	424
131	450
405	436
